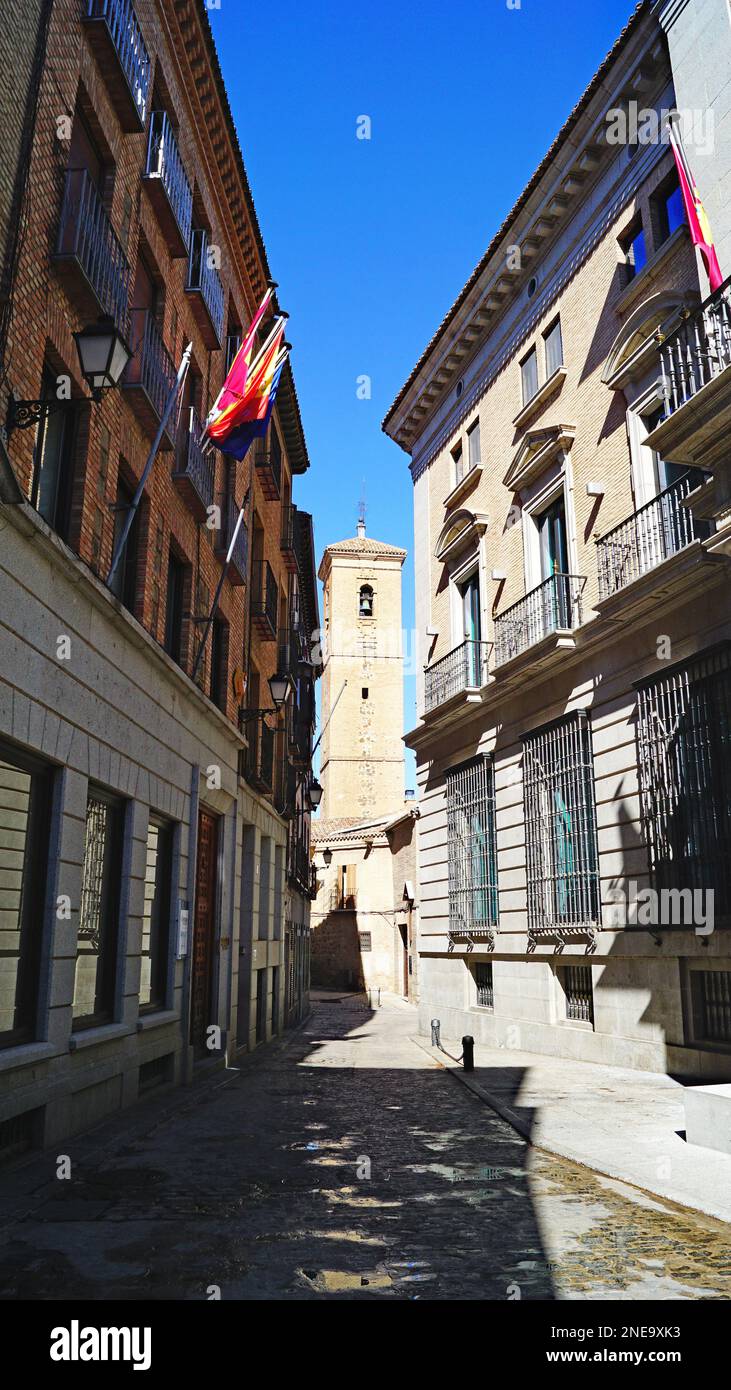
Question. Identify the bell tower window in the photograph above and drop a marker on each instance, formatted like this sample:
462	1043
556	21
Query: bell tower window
365	601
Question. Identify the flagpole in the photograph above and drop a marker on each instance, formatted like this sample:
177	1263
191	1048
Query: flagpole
219	586
119	548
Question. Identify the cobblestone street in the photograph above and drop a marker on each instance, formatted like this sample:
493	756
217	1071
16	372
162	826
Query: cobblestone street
257	1185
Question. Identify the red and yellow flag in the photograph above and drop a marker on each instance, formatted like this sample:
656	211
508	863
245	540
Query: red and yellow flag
700	231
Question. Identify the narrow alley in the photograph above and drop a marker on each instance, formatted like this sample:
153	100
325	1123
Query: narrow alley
344	1163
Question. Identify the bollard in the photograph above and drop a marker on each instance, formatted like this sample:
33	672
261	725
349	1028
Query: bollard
435	1026
468	1053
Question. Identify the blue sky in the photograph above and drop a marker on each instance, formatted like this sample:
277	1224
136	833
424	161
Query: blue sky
371	240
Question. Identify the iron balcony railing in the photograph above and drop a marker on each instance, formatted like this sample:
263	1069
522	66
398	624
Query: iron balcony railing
697	351
264	597
655	531
553	606
203	276
194	466
240	552
150	365
268	460
126	35
86	235
287	532
164	162
464	668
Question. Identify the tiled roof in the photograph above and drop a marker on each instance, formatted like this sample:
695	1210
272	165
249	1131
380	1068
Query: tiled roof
342	827
363	545
641	8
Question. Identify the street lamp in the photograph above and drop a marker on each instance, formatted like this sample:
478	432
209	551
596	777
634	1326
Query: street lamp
327	857
103	354
314	793
279	687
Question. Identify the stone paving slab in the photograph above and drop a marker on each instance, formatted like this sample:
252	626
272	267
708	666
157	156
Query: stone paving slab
623	1123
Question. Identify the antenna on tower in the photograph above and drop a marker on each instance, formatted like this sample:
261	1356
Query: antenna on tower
362	512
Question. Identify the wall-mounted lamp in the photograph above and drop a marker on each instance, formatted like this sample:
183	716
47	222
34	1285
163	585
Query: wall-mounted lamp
499	575
279	688
595	489
103	355
314	793
327	857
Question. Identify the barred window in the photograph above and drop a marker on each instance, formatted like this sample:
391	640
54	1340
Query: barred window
472	849
711	1000
684	757
96	952
576	983
483	984
365	941
560	825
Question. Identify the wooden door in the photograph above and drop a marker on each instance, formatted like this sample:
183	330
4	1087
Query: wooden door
204	928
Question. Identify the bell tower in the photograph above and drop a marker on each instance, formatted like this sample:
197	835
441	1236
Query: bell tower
362	770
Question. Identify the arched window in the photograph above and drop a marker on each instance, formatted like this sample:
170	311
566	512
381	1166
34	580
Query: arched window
365	601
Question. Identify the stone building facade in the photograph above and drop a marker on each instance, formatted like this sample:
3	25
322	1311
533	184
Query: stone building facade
155	830
572	614
363	923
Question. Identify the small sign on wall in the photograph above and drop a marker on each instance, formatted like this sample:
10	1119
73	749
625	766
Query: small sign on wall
183	916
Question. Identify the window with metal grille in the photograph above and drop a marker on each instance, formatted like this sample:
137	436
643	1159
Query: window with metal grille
578	993
364	940
560	825
711	994
472	849
96	951
483	984
684	757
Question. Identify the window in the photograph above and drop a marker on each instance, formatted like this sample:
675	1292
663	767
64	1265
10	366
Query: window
472	849
684	756
346	889
365	601
219	663
554	348
668	212
633	249
96	951
484	993
711	1004
458	460
53	460
576	983
365	940
156	916
529	376
473	445
174	608
24	807
364	693
124	580
560	825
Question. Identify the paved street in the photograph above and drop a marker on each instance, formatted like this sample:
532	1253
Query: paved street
259	1185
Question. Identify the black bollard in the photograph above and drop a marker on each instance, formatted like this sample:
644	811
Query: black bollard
468	1053
435	1033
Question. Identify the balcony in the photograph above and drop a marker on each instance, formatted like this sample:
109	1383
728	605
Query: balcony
194	472
268	463
660	529
116	40
460	673
167	184
260	757
238	564
287	543
150	375
233	343
696	368
264	601
205	290
544	619
88	256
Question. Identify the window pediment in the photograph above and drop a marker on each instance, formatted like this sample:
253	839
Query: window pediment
634	350
461	529
538	450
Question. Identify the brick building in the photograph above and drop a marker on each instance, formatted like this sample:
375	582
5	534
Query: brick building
156	883
572	581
